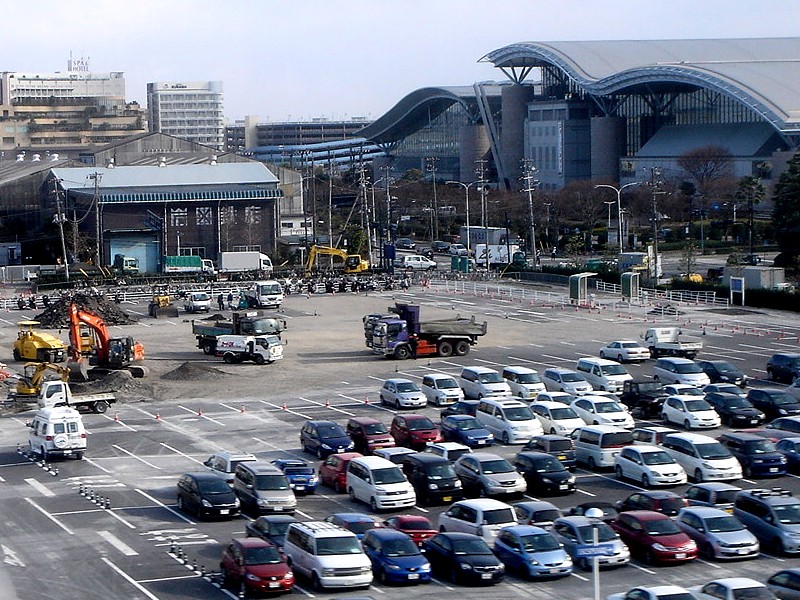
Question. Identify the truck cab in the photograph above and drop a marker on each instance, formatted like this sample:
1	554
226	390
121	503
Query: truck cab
265	294
197	302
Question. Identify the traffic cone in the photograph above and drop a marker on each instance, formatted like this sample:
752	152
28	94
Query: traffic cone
366	400
116	417
243	409
158	417
327	403
199	413
283	407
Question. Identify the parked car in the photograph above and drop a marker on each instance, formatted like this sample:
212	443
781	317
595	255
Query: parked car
302	477
441	389
271	528
458	250
405	243
206	495
566	380
368	434
732	588
655	537
773	516
683	389
609	510
560	397
461	407
544	473
484	517
395	557
784	366
379	483
725	388
532	551
656	592
790	448
395	454
787	424
466	430
774	403
758	456
333	471
224	463
463	558
679	370
690	412
734	410
651	435
417	527
449	450
785	584
794	390
718	534
556	418
440	247
648	465
577	535
721	371
358	523
714	494
402	393
414	431
702	457
255	566
524	382
539	513
624	351
555	445
602	411
667	503
324	438
486	474
482	382
433	478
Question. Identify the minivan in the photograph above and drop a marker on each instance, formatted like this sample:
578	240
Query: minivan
263	487
524	382
598	445
379	483
441	389
482	382
773	516
57	431
511	421
484	517
679	370
433	478
702	457
603	374
757	455
368	434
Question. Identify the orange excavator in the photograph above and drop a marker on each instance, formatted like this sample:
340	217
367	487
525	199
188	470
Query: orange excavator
103	350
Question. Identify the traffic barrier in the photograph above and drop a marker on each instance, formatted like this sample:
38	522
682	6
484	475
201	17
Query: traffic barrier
107	504
54	471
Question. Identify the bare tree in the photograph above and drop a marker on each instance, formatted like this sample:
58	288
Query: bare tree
583	203
707	167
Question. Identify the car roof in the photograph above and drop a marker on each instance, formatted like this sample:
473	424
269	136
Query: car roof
646	515
738	582
485	456
278	518
547	437
534	454
439	376
205	476
455	418
253	542
404	518
391	450
290	462
363	420
658	494
386	533
525	529
483	503
262	467
398	380
536	504
375	462
318	422
415	417
458	535
716	486
451	445
428	457
644	448
560	370
705	512
354	517
479	369
519	369
548	404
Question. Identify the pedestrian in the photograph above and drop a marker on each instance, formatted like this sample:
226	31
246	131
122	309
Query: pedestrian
221	301
230	300
553	253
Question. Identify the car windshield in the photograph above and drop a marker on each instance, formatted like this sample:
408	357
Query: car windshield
723	524
327	546
416	525
753	593
690	391
446	384
712	450
467	424
788	514
571	377
737	402
607	407
279	528
501	465
518	413
333	430
528	378
781	398
661	527
657	458
441	471
697	405
214	486
726	496
375	428
558	414
400	547
604	533
726	368
261	555
650	386
492	377
408	386
388	475
541	542
420	424
499	515
559	445
613	370
687	368
271	482
548	464
299	470
760	447
729	388
463	546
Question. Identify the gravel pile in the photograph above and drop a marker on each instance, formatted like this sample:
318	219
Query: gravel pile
56	316
191	371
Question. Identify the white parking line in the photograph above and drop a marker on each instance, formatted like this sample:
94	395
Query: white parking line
39	487
710	564
129	579
287	409
117	543
635	566
162	505
331	407
132	455
49	516
116	420
200	414
441	583
171	449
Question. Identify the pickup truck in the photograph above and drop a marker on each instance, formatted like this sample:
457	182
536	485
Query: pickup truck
646	396
670	341
58	393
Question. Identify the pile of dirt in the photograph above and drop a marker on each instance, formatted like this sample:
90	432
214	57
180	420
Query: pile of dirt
190	371
56	316
121	382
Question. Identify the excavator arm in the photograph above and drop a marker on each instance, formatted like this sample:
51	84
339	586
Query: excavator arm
114	353
31	382
353	263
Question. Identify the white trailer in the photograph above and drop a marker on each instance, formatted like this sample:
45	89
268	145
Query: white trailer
260	349
498	253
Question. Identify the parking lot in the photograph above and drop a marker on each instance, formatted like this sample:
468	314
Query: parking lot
108	527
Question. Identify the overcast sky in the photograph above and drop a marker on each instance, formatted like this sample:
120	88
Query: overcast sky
303	59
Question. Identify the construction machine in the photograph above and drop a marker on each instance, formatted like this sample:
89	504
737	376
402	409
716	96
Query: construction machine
30	382
109	352
33	345
353	263
161	306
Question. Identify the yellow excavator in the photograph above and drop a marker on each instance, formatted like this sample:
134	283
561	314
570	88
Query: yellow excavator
29	384
32	344
353	263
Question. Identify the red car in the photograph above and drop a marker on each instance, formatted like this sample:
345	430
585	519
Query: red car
414	431
333	471
417	527
368	434
255	566
654	536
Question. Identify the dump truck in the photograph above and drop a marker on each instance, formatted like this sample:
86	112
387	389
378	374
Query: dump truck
126	265
188	265
258	348
670	341
254	323
406	336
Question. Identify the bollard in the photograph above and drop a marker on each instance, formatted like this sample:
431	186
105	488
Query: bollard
199	413
327	403
107	504
54	472
194	565
80	489
158	416
172	547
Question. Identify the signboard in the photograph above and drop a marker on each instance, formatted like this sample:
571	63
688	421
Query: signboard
591	551
737	288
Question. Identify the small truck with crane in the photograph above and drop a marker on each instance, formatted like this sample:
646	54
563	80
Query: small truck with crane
32	386
405	335
252	323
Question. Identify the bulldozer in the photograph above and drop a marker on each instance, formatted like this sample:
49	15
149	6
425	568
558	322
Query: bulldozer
161	306
34	345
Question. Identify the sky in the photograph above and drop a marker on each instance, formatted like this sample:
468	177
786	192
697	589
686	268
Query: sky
299	60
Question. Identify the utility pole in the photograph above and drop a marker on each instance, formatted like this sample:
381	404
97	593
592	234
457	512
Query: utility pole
431	166
655	187
97	251
531	183
60	218
480	172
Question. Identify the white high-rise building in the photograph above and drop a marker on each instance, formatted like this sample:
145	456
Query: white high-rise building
191	110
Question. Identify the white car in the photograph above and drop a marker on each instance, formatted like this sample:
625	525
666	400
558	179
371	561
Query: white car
674	369
560	397
683	389
732	588
648	465
449	450
441	389
624	351
692	413
656	592
566	380
458	250
556	418
402	393
598	410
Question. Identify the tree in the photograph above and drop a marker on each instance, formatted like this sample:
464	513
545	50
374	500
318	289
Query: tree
584	204
752	192
707	167
786	215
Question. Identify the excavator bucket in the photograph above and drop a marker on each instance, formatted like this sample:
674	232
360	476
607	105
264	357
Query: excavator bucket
78	369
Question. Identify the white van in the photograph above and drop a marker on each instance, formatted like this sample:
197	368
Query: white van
679	370
511	421
702	457
524	382
598	445
57	431
482	382
379	483
603	374
197	302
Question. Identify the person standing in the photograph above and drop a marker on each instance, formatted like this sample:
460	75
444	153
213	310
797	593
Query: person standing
230	300
221	301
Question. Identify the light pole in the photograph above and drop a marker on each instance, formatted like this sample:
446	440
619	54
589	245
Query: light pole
466	187
431	166
595	514
530	185
618	191
609	204
655	185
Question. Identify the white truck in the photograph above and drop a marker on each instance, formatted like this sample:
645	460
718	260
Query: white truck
58	393
670	341
197	302
260	349
245	262
499	254
264	294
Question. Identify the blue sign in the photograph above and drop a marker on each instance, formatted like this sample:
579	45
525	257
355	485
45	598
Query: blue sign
598	550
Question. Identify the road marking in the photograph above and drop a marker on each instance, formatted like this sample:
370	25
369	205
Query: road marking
162	505
444	585
586	493
10	557
119	421
132	455
581	577
201	415
710	564
49	516
559	358
117	543
94	464
635	566
331	407
129	579
287	409
374	589
309	594
39	487
168	447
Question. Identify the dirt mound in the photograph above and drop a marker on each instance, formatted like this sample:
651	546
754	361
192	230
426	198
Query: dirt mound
56	316
190	371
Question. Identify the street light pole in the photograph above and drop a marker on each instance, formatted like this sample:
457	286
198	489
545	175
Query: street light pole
595	514
466	187
618	191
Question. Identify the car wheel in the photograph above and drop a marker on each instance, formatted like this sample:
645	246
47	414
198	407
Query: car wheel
687	425
618	472
747	471
504	437
179	502
316	583
373	505
402	353
382	576
645	481
771	375
602	354
592	464
320	454
698	476
100	407
665	418
649	558
445	349
619	358
553	431
482	492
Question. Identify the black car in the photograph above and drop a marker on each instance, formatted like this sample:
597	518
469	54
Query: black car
791	424
440	247
610	512
463	558
735	411
784	366
646	396
404	243
559	446
758	457
206	495
271	528
774	403
461	407
667	503
324	438
720	371
544	473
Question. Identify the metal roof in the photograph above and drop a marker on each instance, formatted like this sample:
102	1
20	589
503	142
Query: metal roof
763	74
740	139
